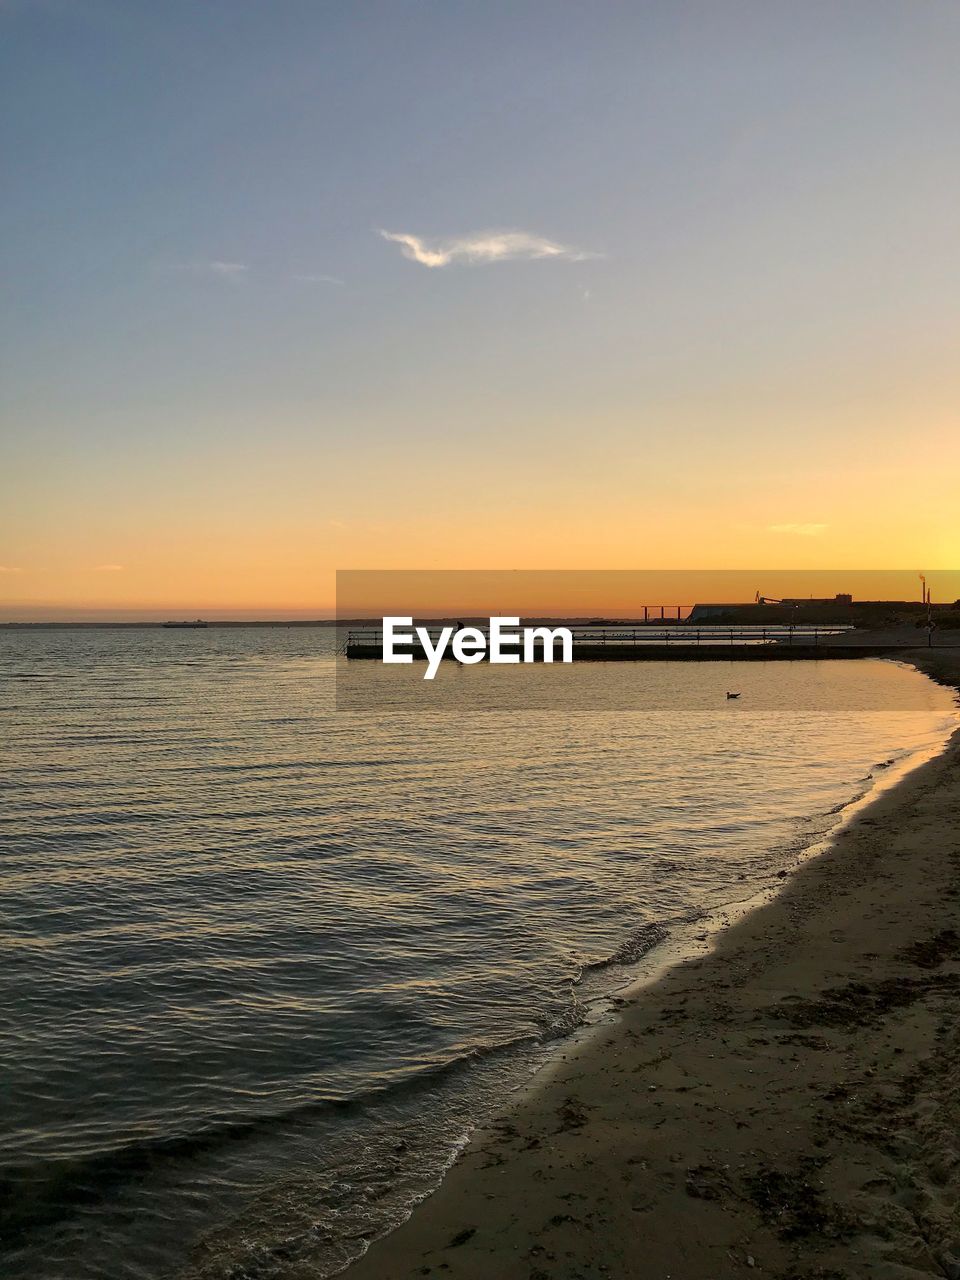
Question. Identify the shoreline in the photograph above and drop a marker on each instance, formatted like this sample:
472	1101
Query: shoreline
790	1110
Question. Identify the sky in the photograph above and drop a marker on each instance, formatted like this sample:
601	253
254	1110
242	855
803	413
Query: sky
617	594
293	287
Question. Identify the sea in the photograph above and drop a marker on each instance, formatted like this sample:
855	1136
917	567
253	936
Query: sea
265	963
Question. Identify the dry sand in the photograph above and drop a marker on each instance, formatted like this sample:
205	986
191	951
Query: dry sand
787	1106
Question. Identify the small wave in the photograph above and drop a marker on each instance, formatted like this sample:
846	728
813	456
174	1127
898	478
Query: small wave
35	1194
845	804
630	951
564	1023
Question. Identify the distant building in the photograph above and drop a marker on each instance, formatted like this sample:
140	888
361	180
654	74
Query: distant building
798	602
839	608
702	612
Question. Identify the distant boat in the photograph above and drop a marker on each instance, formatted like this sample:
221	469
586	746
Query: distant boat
198	623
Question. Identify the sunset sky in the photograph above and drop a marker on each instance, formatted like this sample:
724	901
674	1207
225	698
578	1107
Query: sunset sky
298	286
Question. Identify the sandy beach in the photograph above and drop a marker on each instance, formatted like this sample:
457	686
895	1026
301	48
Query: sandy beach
787	1104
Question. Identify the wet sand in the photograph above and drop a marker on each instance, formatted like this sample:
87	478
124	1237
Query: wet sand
786	1105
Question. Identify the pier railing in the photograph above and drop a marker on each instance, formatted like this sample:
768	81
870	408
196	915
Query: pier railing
371	638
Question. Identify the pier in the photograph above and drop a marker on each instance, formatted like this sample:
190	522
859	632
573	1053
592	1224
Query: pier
676	643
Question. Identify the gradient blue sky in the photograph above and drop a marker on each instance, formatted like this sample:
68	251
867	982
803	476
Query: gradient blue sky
221	382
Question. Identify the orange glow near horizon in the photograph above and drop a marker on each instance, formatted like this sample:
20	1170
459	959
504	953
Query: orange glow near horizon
257	526
624	593
258	532
447	592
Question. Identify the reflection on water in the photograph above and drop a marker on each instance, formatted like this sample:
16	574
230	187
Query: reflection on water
365	685
266	961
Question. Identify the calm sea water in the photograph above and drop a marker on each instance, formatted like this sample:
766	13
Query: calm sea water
264	963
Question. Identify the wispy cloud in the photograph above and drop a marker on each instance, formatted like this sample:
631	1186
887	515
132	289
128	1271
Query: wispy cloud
308	278
482	246
10	568
801	530
217	267
231	270
221	269
107	568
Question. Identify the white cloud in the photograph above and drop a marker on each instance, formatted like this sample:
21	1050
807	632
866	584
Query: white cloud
107	568
801	530
10	568
482	246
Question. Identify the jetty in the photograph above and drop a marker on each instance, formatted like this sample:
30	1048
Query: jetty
681	643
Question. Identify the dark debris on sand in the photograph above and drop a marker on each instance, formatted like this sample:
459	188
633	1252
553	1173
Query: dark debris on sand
858	1003
794	1205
